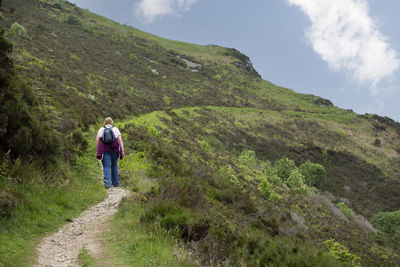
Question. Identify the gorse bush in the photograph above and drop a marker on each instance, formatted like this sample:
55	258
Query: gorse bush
313	173
17	29
388	223
385	253
296	183
132	57
342	253
266	190
283	168
248	159
229	173
344	208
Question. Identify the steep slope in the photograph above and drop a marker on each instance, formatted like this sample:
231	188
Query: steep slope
201	158
199	108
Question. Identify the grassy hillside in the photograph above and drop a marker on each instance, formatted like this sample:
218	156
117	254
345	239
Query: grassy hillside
205	137
201	160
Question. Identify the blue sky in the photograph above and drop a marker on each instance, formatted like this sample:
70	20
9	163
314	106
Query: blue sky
347	51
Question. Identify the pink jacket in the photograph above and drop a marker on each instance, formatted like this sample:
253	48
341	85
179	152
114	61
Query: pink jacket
113	147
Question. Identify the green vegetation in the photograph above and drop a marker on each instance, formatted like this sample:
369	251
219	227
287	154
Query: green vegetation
265	188
17	29
228	173
344	208
313	173
134	240
24	129
286	170
283	168
34	202
389	224
342	253
225	168
296	183
86	260
133	57
206	187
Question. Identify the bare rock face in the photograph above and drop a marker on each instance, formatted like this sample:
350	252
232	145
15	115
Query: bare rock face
243	62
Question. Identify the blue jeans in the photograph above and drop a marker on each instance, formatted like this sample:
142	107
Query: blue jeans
110	164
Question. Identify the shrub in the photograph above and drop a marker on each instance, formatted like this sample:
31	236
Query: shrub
9	201
248	159
218	77
77	143
205	146
313	173
5	166
228	173
377	142
385	253
296	183
166	160
266	167
283	168
132	57
17	29
72	20
166	99
388	222
171	216
24	127
265	189
344	208
342	253
258	251
186	191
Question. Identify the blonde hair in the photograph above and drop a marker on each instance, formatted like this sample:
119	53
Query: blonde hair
108	120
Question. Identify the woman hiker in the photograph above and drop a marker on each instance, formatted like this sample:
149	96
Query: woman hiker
109	148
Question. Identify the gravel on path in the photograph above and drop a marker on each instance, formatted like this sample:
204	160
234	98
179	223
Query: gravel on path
63	247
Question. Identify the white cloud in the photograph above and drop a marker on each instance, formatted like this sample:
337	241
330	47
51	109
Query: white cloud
149	10
347	38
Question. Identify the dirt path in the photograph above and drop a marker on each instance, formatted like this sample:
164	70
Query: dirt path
62	248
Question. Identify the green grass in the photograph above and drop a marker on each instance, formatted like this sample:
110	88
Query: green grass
46	203
186	128
207	139
135	243
86	260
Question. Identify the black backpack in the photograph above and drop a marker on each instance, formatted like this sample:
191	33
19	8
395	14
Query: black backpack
108	136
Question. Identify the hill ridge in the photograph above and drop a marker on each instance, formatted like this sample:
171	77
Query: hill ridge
211	135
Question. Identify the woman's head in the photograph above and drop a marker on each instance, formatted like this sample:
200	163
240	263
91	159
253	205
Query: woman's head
108	120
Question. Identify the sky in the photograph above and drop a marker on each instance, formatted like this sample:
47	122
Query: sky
347	51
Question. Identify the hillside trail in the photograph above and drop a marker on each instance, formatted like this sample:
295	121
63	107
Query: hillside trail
63	247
